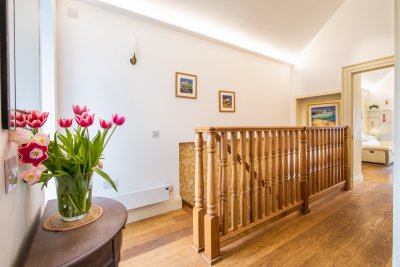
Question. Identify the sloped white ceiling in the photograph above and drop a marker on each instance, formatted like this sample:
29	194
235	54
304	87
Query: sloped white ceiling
370	79
280	29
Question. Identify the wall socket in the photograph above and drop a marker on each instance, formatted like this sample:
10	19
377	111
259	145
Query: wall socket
11	173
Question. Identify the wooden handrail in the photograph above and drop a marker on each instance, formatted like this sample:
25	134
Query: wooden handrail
246	128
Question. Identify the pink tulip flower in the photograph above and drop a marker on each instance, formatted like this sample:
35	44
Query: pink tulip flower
18	120
79	110
32	176
36	118
32	153
85	120
64	123
41	138
105	124
118	120
20	136
21	119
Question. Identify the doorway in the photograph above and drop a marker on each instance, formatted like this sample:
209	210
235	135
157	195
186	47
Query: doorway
377	121
351	84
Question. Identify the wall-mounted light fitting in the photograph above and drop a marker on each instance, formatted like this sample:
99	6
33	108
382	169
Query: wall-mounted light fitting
133	59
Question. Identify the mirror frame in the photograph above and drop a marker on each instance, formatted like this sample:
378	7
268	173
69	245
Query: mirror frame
5	65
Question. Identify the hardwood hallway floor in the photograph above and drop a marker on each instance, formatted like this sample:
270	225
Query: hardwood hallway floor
343	229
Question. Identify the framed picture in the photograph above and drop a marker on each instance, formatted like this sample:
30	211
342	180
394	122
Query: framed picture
323	113
185	85
227	101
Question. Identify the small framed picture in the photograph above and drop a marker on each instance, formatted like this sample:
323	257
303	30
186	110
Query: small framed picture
227	101
323	113
185	85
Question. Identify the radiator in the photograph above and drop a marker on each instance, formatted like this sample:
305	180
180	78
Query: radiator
141	198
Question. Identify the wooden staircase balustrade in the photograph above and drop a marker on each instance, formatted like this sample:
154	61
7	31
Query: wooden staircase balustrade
212	252
280	168
198	209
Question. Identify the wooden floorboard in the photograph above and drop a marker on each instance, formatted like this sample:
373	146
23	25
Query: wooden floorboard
351	228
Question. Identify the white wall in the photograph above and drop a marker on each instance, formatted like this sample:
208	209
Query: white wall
381	91
378	94
94	69
361	30
20	211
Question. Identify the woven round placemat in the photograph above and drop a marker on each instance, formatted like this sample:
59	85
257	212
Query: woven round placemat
55	224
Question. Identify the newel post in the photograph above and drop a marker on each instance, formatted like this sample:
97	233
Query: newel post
303	171
198	209
211	219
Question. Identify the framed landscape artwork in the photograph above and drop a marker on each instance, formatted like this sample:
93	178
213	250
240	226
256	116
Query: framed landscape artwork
323	113
227	101
185	85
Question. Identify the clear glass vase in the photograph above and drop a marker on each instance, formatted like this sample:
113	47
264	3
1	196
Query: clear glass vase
74	196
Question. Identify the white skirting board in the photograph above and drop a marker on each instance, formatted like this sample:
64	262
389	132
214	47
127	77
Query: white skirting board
153	210
141	198
358	180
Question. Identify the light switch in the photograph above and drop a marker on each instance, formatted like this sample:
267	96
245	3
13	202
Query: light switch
11	173
156	134
72	12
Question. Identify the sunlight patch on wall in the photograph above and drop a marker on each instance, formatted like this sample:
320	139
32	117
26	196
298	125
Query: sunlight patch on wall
214	30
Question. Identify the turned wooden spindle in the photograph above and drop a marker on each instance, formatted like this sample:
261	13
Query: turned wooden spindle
243	198
334	171
274	172
345	161
198	209
286	186
252	178
267	173
315	161
280	169
223	188
324	159
309	159
291	167
332	156
303	171
235	201
211	219
260	202
297	164
317	155
327	158
341	151
319	160
338	155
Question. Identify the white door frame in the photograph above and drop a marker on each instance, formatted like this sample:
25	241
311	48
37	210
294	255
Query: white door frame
348	100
